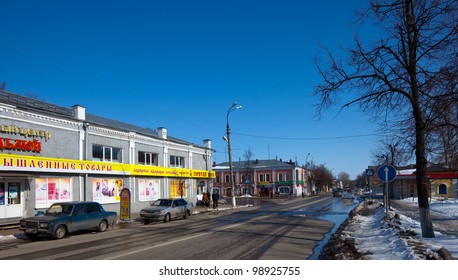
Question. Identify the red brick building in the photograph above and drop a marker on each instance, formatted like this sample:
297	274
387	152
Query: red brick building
261	178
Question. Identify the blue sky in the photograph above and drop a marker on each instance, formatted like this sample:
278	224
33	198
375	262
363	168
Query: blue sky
181	64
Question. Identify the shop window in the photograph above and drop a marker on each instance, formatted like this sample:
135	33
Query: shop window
177	188
104	153
149	189
283	190
147	158
2	193
106	190
51	190
177	162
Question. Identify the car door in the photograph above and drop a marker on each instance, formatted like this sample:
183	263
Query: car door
181	207
78	218
93	215
175	208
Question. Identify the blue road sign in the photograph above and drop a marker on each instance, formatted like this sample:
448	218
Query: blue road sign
386	173
370	172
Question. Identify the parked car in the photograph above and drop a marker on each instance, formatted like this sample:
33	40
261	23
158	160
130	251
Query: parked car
67	217
165	209
337	192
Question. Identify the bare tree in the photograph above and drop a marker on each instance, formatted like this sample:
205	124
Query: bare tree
443	140
392	151
248	161
344	178
322	177
400	76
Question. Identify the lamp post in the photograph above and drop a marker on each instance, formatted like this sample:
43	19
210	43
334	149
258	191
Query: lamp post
228	139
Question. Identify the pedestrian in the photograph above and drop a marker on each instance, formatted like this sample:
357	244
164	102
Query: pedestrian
208	199
205	199
215	198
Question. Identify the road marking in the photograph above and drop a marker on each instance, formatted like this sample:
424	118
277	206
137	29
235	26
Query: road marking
171	242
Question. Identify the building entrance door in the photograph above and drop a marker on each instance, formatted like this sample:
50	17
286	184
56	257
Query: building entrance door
10	200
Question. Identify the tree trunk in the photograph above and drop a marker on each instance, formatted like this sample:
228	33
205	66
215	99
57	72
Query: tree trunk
422	186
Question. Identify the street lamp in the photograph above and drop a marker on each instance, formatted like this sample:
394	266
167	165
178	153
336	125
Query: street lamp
228	140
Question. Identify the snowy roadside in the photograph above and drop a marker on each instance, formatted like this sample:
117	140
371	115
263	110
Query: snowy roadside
366	234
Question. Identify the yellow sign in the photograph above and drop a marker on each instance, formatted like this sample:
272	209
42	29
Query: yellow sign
42	164
125	205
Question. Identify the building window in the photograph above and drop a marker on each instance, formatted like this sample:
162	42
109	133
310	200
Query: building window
104	153
280	177
217	179
287	177
176	161
267	177
261	177
147	158
227	179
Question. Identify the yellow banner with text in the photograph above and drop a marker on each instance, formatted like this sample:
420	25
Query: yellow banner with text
10	162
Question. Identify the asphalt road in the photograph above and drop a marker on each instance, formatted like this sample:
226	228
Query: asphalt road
277	229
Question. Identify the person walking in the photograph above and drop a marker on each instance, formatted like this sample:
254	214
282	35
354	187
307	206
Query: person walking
215	198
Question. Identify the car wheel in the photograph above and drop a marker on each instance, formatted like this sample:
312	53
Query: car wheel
103	225
167	218
60	232
145	221
187	214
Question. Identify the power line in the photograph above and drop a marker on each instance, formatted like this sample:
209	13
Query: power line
310	138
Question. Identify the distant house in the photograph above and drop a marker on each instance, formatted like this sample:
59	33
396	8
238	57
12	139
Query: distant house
443	182
261	178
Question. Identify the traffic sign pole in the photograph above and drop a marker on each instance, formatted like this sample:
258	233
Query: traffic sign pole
369	174
386	173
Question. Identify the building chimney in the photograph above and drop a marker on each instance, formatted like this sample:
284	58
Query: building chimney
208	143
162	132
79	112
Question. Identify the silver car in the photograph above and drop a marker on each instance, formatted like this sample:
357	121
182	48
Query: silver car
165	209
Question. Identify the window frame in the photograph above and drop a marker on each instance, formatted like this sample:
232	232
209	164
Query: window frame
107	153
152	161
177	161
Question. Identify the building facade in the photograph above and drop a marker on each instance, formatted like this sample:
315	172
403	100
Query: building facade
443	182
261	178
51	154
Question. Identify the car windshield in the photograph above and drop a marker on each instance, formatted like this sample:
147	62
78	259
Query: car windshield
58	209
162	202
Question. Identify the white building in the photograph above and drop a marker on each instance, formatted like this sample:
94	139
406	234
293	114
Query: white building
50	154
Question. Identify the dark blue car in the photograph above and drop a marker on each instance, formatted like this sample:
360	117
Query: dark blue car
67	217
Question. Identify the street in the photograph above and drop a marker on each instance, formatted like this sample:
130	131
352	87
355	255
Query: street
275	229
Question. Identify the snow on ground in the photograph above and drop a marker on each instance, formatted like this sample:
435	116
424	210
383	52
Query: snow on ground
374	234
7	237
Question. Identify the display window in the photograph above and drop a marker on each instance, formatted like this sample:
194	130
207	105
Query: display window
177	188
2	194
148	189
51	190
106	190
